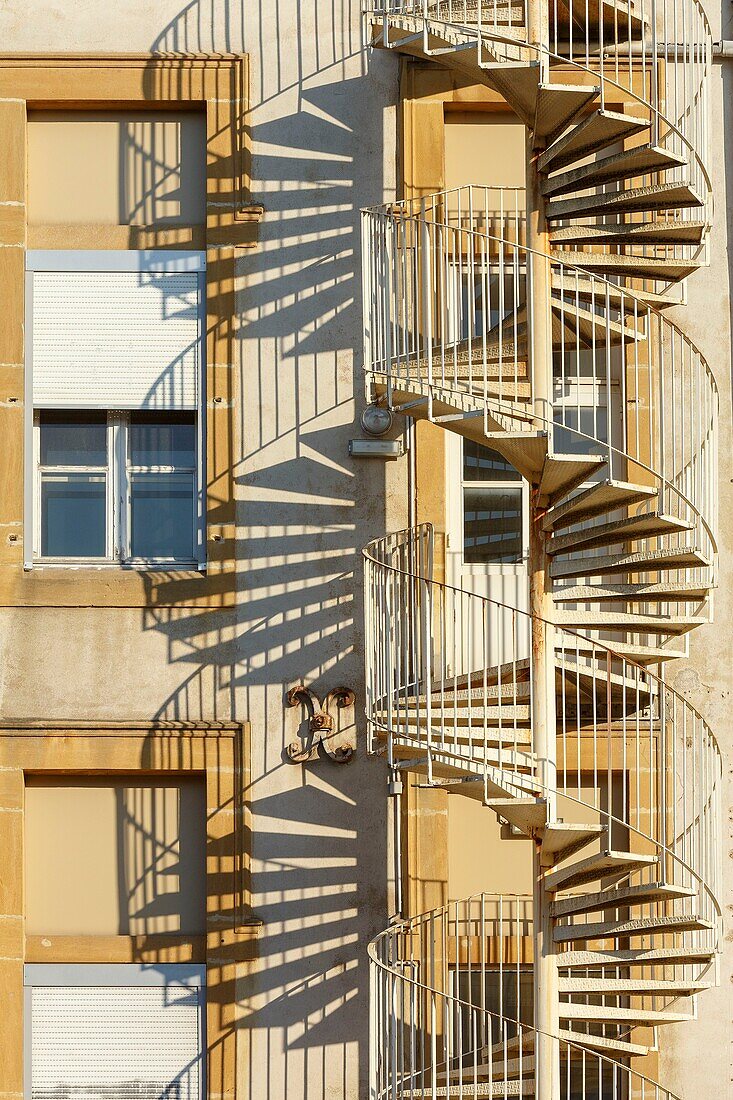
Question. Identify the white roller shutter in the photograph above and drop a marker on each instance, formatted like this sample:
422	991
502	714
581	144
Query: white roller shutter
116	1043
116	339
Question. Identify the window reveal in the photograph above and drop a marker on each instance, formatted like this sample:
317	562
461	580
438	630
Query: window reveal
114	486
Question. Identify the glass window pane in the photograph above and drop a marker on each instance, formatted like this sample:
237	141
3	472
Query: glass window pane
163	439
73	438
483	464
162	516
591	422
492	525
483	301
73	515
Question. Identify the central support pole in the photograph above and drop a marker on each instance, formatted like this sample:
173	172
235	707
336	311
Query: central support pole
544	733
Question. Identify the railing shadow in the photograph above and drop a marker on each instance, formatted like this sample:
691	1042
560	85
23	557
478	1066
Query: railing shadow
297	1010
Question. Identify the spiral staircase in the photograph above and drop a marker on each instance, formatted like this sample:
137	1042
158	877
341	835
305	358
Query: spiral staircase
535	325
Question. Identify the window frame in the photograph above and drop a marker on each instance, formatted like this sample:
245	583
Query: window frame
458	303
160	261
111	975
522	486
119	474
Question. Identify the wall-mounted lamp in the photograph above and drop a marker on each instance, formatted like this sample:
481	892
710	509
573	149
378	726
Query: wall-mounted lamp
376	419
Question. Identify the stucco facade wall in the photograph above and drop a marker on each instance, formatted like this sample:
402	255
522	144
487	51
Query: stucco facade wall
323	133
322	129
700	1054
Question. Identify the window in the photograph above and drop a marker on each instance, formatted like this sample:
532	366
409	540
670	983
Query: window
115	376
116	486
507	992
116	1031
493	512
483	294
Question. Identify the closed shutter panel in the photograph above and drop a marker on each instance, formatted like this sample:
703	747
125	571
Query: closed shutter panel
116	1043
116	339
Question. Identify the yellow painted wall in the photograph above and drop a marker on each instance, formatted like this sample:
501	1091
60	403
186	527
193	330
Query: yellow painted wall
485	147
114	857
479	857
484	856
116	167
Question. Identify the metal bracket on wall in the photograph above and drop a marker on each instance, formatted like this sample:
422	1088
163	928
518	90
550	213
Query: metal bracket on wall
338	747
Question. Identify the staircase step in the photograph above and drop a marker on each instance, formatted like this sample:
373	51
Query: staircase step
659	196
609	1014
589	289
573	326
518	671
630	651
520	1044
629	622
496	14
524	813
465	757
678	591
603	1043
503	1068
561	473
469	1087
525	450
507	672
631	987
595	682
474	733
644	561
503	695
470	729
619	20
640	926
642	267
629	529
596	867
456	692
605	496
638	161
558	104
454	767
517	83
655	956
560	839
667	231
621	897
512	1067
598	131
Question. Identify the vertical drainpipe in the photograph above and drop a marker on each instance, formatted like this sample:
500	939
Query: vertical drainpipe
543	716
395	785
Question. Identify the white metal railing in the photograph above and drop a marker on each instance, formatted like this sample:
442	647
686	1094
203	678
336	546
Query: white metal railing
652	56
448	318
628	746
452	1006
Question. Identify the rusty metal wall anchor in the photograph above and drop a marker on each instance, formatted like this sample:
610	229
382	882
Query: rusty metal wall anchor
339	748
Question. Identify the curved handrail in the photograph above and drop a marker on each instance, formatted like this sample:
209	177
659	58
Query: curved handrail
690	766
431	1034
696	50
426	334
425	670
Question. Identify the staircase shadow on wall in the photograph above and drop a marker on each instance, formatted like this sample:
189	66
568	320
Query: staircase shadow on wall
317	848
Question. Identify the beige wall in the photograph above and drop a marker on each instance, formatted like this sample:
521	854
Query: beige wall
116	167
114	857
484	856
485	147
